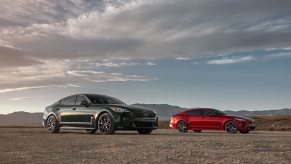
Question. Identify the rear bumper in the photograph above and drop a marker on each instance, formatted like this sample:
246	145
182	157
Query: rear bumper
172	125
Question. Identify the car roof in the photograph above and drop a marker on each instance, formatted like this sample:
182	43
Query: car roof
90	94
201	109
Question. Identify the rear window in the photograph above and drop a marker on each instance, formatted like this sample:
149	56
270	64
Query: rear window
69	100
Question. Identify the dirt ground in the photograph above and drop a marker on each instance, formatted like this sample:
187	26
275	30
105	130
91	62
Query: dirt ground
36	145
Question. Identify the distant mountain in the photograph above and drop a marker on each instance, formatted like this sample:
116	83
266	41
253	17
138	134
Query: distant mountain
164	112
276	112
21	118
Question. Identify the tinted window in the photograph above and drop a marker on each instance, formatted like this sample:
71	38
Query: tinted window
193	112
80	99
69	100
96	99
205	112
218	112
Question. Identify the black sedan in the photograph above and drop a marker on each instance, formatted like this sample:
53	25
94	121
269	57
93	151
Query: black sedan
93	112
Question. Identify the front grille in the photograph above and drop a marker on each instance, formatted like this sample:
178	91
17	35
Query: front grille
251	122
145	114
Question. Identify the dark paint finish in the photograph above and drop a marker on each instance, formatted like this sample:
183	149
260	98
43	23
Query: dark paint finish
85	110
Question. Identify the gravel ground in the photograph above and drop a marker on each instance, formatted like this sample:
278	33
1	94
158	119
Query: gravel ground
36	145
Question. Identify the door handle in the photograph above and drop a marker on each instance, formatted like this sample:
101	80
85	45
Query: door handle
74	108
58	109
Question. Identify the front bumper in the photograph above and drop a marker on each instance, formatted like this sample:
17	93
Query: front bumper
252	128
43	123
128	121
243	126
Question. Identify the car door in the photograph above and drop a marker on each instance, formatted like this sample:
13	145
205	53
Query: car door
85	113
66	110
208	120
193	119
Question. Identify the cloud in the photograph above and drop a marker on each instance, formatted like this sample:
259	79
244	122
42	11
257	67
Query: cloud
231	60
183	58
111	63
60	73
10	57
27	88
146	28
20	98
279	55
38	37
151	63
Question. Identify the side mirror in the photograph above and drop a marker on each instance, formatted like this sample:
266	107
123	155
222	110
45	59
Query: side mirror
85	103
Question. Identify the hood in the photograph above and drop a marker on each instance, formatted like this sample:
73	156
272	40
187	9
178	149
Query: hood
245	118
133	108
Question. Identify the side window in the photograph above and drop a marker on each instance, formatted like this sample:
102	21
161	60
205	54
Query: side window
193	112
97	100
204	113
80	99
69	100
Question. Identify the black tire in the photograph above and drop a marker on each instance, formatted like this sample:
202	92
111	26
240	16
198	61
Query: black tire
52	124
144	131
91	131
197	131
230	127
106	124
182	126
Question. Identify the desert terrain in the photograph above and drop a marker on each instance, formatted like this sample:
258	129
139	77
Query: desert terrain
36	145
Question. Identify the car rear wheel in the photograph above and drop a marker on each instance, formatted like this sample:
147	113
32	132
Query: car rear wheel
230	127
182	126
144	131
52	124
197	131
106	124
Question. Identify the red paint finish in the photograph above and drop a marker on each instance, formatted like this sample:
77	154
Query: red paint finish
209	119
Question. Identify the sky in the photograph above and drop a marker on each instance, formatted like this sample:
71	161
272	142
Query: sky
224	54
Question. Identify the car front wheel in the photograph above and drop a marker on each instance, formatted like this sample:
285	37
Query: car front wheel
182	126
230	127
106	124
52	124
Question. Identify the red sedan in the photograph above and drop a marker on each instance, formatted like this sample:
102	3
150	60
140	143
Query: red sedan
199	119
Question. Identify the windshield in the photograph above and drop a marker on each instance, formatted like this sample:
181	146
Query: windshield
97	99
218	112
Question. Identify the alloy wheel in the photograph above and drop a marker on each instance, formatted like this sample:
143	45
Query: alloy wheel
52	124
182	126
230	127
105	124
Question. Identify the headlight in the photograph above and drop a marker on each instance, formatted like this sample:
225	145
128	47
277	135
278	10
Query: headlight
119	110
